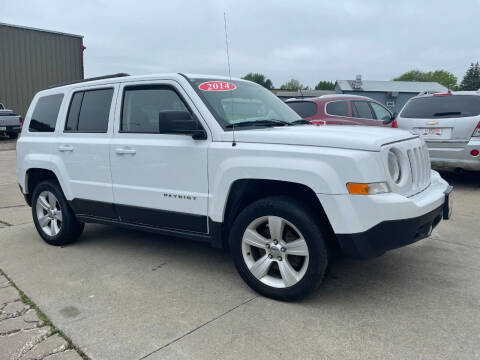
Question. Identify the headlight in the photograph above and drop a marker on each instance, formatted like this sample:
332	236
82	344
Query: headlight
394	167
368	189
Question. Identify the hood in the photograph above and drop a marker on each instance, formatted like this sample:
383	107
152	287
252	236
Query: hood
369	138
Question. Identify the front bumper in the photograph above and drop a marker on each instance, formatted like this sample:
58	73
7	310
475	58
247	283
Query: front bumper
393	234
454	157
381	221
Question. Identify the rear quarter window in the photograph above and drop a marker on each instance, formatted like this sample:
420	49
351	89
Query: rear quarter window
434	107
304	108
45	114
337	108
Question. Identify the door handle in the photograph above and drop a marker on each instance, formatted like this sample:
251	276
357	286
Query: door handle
65	148
125	151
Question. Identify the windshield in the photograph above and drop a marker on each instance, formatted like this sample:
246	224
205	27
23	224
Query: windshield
236	102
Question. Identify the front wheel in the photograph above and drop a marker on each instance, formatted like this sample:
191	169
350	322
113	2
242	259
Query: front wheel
53	218
279	248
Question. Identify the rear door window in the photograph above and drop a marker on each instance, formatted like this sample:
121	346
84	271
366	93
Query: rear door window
337	108
45	114
447	106
304	108
380	112
89	111
362	110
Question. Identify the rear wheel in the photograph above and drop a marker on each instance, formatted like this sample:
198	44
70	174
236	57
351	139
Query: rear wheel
53	218
278	248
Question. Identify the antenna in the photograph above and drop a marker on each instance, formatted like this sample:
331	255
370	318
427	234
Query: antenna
229	74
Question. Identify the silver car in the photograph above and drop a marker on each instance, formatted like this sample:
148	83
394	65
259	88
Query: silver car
450	125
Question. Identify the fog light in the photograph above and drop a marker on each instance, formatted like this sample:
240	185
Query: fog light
474	152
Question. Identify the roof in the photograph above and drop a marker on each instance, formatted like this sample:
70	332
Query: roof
41	30
465	92
330	97
343	96
301	93
209	76
394	86
122	77
471	93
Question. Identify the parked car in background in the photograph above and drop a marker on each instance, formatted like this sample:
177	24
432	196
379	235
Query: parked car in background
10	123
450	125
339	109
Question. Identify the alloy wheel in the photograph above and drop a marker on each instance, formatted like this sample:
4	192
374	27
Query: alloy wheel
49	213
275	251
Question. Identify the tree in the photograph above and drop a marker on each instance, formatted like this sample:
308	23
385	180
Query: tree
325	85
412	75
443	77
471	80
259	79
293	85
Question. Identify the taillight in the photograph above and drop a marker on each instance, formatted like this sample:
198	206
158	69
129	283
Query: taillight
476	132
442	94
20	120
394	124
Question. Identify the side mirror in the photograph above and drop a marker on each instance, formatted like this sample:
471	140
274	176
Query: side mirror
199	134
180	122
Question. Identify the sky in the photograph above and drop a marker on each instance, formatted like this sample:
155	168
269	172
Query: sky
305	40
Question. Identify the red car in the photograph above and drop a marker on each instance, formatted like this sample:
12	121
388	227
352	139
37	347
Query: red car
342	110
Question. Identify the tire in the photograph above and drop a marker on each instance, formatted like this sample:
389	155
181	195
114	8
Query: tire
58	227
285	268
12	135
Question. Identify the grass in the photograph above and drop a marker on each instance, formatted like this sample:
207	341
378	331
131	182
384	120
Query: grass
45	321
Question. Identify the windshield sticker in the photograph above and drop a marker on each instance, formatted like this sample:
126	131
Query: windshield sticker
217	86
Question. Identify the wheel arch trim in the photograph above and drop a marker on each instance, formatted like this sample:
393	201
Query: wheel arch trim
44	167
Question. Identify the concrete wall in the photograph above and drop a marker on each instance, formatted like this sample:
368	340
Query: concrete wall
32	60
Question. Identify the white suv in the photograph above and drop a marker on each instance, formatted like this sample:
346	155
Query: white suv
225	162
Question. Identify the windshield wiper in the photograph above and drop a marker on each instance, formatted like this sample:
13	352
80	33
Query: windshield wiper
266	122
301	121
447	113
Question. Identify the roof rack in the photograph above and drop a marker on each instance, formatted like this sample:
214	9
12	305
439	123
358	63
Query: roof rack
90	79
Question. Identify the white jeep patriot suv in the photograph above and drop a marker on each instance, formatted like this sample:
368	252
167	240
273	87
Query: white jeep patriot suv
226	162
